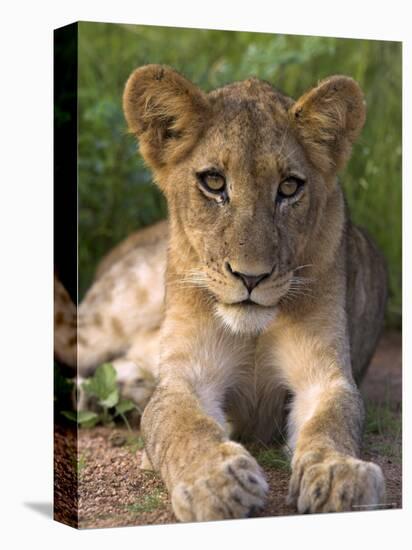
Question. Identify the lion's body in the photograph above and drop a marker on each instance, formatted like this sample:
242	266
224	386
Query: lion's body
250	306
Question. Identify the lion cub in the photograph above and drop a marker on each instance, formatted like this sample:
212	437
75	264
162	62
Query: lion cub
274	300
271	292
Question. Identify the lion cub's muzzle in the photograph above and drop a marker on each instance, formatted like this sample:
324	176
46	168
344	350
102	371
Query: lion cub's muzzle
261	288
247	301
250	281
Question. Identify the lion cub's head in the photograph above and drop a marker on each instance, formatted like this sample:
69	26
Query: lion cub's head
250	179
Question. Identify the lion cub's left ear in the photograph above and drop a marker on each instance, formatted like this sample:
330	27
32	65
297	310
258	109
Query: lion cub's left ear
329	118
165	111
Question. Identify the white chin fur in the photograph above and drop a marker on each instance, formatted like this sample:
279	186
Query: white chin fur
245	320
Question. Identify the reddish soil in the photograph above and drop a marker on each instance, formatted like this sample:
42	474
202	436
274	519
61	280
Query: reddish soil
113	491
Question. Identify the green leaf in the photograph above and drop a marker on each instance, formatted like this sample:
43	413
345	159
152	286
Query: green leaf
71	415
111	400
86	416
125	405
90	423
103	383
87	419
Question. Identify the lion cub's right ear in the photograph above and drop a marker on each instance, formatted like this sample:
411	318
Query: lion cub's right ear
165	111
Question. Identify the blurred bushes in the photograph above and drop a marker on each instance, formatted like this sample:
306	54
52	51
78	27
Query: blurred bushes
116	195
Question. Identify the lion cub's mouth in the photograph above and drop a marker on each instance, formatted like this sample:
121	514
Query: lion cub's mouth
250	303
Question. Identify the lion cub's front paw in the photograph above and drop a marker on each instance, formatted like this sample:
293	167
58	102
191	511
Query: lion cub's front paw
230	484
337	483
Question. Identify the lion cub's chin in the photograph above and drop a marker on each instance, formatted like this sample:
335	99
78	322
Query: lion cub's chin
245	319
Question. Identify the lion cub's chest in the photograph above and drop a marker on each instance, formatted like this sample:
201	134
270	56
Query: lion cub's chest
236	379
255	403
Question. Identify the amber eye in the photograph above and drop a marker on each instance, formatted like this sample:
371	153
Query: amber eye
289	187
213	184
213	181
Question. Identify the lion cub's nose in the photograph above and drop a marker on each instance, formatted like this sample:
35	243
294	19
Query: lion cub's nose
250	281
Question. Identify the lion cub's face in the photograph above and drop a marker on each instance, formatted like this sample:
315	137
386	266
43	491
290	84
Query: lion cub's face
244	198
247	173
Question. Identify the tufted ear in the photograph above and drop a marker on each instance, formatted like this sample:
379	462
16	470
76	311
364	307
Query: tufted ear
165	111
329	118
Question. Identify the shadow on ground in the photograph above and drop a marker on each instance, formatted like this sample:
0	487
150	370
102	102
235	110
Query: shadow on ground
43	508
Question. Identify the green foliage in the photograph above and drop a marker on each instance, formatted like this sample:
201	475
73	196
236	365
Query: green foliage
80	463
381	420
147	504
274	459
86	419
103	387
116	195
64	392
131	441
383	431
134	443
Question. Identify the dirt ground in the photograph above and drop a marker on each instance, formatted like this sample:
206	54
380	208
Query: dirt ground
113	491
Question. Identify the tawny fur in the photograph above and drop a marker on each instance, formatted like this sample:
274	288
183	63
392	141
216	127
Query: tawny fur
284	366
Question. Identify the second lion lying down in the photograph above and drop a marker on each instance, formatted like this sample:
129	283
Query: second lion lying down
274	300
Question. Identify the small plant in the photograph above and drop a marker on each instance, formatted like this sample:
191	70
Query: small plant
80	463
134	443
146	504
380	419
102	387
383	431
131	441
274	459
